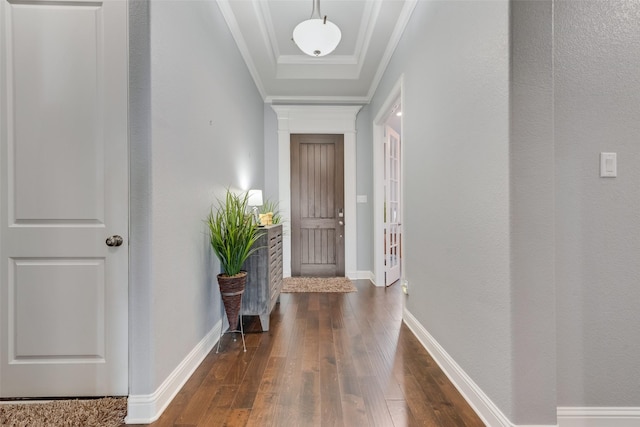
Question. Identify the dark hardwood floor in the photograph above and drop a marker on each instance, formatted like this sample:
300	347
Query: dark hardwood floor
328	360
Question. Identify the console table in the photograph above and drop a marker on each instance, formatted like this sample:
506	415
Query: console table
264	275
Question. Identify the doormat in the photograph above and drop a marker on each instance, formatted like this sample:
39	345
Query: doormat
317	284
104	412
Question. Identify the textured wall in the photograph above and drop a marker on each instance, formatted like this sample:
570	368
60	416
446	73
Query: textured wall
364	186
454	56
597	108
270	153
531	164
141	327
204	133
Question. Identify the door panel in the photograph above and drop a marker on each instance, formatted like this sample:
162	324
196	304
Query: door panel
64	190
393	225
46	74
317	205
45	294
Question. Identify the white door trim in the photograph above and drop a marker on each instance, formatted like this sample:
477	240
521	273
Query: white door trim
318	119
378	181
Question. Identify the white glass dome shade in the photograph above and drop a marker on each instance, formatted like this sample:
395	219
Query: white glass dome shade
317	36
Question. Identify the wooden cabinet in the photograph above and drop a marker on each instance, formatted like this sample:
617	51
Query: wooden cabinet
264	275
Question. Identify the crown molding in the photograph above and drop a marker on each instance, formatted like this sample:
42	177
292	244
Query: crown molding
310	60
268	33
341	66
401	24
230	19
367	25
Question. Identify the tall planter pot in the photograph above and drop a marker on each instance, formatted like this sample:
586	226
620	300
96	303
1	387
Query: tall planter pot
231	290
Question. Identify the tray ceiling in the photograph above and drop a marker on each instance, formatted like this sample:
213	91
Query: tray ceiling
370	30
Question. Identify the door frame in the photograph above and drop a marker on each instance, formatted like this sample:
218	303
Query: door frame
378	180
318	119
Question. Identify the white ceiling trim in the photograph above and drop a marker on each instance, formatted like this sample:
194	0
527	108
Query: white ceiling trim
269	31
367	25
310	60
229	17
401	24
355	100
294	67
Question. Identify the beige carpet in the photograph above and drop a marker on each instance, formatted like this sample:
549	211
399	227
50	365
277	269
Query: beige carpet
317	284
105	412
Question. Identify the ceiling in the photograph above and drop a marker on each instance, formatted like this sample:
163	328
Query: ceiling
370	29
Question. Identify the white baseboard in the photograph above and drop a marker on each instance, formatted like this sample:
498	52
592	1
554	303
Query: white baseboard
598	417
488	412
144	409
479	401
361	275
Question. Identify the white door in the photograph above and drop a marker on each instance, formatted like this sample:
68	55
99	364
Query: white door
392	224
63	192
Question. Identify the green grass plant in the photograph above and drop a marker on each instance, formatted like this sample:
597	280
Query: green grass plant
233	232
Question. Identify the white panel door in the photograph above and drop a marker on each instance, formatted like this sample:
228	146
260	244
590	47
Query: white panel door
63	192
393	226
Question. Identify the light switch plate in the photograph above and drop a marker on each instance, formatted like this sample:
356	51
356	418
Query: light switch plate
361	198
608	165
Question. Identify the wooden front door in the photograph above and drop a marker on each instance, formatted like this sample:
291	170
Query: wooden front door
317	205
63	193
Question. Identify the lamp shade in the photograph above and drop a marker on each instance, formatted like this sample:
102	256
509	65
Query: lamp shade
317	36
254	198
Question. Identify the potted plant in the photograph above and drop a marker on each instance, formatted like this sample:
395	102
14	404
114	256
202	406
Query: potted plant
269	213
233	233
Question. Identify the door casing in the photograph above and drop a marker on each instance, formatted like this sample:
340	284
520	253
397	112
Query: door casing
319	119
378	180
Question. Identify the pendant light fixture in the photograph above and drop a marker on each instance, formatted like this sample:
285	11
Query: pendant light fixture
317	36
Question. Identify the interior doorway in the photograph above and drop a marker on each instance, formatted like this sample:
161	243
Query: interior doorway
387	170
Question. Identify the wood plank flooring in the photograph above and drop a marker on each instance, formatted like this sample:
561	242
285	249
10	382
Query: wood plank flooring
328	360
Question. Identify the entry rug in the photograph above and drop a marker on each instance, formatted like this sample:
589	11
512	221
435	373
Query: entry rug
317	284
105	412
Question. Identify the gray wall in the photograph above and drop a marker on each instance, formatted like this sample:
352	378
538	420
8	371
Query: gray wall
141	326
364	186
522	262
271	164
531	170
597	108
196	128
455	60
